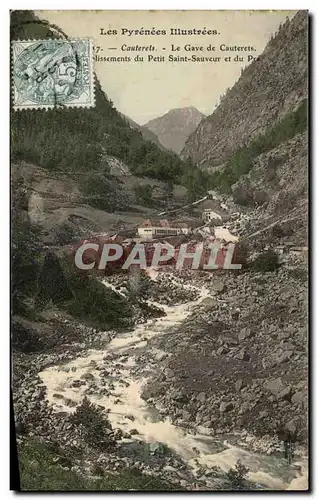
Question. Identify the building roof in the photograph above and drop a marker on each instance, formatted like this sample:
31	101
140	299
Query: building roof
175	240
165	223
155	223
213	214
146	223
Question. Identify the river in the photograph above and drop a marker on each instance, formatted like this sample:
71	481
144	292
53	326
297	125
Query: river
197	450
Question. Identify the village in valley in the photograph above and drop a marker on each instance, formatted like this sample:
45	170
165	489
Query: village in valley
203	222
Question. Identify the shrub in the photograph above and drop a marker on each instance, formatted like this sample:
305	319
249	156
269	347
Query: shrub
25	338
241	254
95	303
138	285
25	265
299	273
65	233
97	428
52	283
99	192
25	250
238	476
144	194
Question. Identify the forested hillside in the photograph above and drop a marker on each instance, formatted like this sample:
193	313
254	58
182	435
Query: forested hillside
175	126
76	139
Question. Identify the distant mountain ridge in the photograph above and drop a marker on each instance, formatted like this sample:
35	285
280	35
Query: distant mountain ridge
175	126
145	132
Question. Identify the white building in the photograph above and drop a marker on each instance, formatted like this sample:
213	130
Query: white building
211	211
209	215
151	228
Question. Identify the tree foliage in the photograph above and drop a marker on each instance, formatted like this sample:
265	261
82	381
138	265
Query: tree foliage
94	423
237	476
47	467
143	194
195	180
266	262
94	303
25	249
70	139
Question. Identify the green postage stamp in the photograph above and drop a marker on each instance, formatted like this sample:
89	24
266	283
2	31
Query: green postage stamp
51	73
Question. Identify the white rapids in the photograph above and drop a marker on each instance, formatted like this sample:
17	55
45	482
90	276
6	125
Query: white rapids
125	401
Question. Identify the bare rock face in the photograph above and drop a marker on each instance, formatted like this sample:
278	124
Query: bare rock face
174	127
277	186
116	166
267	90
278	177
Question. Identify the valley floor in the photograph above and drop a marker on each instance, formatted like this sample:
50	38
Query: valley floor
219	377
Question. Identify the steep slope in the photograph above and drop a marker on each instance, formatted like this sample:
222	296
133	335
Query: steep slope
174	127
77	139
145	132
278	185
283	168
267	90
106	155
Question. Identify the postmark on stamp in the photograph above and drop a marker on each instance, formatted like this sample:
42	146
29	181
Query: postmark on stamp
52	73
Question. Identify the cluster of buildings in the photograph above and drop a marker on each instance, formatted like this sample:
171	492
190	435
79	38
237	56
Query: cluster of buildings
202	228
156	228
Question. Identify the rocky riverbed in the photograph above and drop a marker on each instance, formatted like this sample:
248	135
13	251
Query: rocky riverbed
239	361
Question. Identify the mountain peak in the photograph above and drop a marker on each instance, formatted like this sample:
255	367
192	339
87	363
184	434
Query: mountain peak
174	127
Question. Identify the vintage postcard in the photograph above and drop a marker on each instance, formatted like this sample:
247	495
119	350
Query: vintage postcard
159	196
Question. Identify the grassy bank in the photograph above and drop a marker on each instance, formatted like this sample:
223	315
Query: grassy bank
44	468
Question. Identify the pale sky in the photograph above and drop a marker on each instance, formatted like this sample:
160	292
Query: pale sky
145	90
